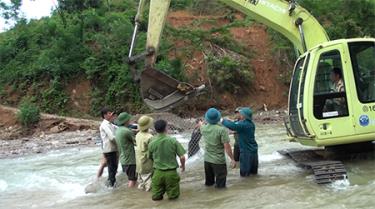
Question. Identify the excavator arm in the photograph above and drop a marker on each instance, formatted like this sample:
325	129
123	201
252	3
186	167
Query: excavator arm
162	92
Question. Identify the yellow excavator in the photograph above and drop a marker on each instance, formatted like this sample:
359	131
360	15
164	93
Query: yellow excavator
322	112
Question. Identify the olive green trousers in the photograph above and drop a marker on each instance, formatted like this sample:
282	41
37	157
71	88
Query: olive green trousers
165	182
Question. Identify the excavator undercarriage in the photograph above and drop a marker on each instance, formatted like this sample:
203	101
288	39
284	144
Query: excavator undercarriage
327	164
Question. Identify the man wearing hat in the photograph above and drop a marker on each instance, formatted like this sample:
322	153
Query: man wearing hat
245	129
216	141
144	164
125	143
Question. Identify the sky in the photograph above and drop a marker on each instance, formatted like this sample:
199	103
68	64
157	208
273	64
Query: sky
32	9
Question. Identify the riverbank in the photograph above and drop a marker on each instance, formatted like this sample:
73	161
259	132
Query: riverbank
51	133
44	143
57	132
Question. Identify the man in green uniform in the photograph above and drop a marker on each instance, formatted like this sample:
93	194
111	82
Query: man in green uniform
216	141
163	150
144	164
125	143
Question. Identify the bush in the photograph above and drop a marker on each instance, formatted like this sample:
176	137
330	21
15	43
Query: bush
173	68
228	74
29	114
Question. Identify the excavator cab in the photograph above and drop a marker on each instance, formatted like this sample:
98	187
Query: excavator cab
323	112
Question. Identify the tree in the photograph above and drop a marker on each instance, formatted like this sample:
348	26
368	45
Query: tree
344	18
11	12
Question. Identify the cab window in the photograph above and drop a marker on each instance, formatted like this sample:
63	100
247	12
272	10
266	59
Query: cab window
329	89
362	55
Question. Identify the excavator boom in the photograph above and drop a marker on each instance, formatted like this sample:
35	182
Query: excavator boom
161	92
285	17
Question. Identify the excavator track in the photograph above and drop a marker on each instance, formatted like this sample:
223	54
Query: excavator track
325	171
328	171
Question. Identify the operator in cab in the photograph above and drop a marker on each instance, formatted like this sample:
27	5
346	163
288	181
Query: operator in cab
337	104
336	78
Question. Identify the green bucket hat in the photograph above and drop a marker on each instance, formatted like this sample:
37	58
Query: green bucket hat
212	116
123	118
145	122
247	113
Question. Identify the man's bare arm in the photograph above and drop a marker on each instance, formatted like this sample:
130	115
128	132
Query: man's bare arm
228	150
182	162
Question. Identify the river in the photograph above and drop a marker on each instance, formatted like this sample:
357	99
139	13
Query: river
57	180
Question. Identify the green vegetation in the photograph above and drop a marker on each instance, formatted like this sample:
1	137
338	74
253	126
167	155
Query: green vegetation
29	114
228	74
344	18
84	39
89	40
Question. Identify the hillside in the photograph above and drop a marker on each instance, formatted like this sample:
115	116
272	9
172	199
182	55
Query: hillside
73	62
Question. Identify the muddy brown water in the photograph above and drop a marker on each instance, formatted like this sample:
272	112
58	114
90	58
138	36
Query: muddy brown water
57	180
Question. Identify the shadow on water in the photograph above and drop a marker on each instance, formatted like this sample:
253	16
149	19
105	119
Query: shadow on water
57	180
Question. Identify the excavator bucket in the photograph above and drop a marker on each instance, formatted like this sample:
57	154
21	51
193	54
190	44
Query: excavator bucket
161	92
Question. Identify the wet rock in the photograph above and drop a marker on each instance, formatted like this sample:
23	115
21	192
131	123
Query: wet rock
42	134
54	129
265	107
55	142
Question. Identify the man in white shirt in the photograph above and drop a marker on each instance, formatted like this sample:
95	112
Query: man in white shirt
107	134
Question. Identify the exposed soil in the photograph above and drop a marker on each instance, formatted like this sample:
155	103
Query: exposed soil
79	93
266	92
48	124
267	89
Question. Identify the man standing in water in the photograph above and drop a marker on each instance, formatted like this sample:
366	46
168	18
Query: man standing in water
236	146
216	140
109	144
125	143
163	150
144	164
245	129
